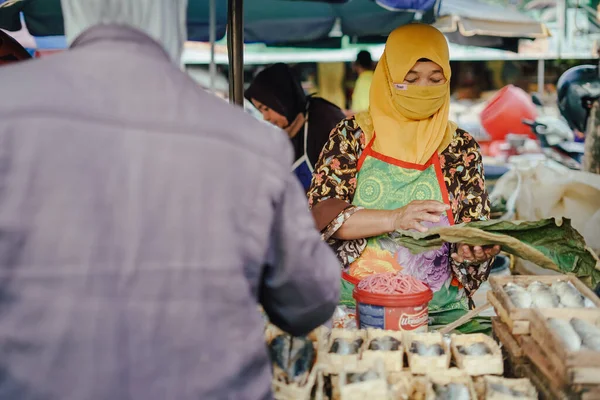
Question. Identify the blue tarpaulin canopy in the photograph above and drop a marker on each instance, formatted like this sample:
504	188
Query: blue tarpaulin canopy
272	21
268	21
477	23
298	22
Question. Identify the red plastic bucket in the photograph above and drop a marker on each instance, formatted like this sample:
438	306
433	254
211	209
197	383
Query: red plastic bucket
396	312
506	111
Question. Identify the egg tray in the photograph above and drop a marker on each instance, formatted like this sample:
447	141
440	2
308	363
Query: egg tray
579	367
393	361
522	385
371	389
404	386
332	363
292	391
452	375
283	390
421	365
518	319
488	364
511	345
316	336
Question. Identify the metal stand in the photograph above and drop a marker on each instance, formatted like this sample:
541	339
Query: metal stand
541	79
212	38
561	9
235	48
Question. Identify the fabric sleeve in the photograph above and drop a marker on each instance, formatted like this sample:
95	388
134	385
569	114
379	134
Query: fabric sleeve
334	179
464	175
323	117
301	281
332	191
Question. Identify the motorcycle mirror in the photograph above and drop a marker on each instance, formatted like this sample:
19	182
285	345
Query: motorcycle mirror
529	122
536	100
588	101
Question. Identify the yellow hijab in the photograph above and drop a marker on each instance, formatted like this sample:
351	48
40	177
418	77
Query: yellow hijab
410	122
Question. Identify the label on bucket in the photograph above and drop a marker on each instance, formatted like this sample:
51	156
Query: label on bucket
393	318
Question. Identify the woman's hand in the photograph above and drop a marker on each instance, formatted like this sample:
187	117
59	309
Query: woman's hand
466	254
411	215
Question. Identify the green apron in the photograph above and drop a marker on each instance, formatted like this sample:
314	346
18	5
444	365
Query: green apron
384	183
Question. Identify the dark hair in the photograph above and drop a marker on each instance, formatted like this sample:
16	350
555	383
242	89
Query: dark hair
423	60
364	59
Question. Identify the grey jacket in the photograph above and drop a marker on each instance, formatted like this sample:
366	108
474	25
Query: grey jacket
141	222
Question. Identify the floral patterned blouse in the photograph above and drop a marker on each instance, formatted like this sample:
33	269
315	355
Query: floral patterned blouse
335	178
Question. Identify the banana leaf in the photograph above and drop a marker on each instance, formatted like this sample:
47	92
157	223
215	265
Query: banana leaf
550	243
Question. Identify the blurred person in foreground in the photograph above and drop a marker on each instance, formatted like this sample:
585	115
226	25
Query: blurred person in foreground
403	165
142	221
307	120
363	66
11	51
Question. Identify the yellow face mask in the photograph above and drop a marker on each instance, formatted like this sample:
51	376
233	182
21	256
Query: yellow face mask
419	102
410	122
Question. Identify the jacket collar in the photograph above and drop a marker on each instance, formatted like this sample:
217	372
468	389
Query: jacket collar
118	33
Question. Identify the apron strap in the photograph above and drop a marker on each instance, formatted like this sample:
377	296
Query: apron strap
305	155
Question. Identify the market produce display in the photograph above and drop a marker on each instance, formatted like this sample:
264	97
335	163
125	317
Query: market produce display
296	361
576	334
451	391
566	333
380	370
559	294
549	327
545	344
384	346
477	354
589	334
495	388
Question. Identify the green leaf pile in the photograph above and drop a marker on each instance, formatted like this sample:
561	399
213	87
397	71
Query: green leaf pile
550	243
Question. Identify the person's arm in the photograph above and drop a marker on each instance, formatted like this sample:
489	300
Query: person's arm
334	179
301	282
471	264
367	223
333	186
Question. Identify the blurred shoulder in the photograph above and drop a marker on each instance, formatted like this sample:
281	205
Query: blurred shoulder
325	109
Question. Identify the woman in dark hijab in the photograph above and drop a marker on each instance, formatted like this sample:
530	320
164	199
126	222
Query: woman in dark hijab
308	120
11	50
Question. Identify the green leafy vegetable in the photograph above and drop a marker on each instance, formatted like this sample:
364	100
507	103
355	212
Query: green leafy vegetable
549	243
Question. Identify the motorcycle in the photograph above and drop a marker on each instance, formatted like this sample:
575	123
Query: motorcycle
557	141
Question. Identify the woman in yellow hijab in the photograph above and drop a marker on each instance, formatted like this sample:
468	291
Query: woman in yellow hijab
403	165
